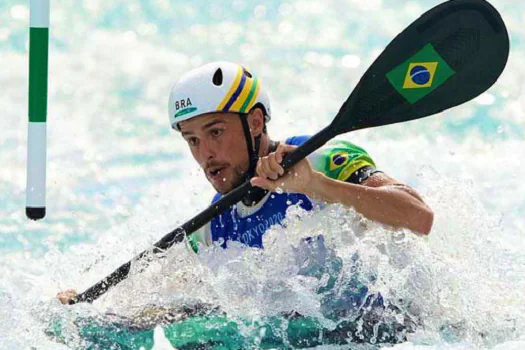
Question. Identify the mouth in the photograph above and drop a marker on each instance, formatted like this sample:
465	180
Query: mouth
214	173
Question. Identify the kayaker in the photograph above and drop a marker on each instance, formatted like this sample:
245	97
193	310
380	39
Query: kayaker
221	110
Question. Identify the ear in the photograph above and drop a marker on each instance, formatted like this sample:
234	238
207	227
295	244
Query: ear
256	121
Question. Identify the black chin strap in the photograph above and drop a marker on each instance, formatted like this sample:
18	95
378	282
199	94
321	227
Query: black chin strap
253	152
255	194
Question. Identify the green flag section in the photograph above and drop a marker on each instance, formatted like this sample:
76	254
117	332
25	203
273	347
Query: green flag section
420	74
38	58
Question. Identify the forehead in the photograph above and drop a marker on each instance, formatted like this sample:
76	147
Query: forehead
204	120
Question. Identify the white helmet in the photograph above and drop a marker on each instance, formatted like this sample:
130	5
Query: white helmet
216	87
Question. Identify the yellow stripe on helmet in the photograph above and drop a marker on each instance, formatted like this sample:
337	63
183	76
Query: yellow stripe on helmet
233	88
236	107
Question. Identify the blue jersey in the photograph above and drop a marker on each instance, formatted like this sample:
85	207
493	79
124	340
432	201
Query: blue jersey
338	160
249	229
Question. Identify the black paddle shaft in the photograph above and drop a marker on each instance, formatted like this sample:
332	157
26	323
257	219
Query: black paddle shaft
200	220
459	48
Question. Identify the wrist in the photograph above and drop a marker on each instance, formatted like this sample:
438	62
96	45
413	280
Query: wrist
312	188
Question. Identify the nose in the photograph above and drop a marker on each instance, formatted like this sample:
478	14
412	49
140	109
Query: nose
206	150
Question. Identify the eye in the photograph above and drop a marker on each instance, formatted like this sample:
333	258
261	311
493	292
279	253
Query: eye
216	132
192	141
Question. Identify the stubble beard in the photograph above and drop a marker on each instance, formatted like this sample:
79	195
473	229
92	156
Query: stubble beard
236	181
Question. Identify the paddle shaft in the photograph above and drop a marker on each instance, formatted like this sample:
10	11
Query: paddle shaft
191	226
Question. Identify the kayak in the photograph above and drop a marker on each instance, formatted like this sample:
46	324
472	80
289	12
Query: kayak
217	331
204	327
351	314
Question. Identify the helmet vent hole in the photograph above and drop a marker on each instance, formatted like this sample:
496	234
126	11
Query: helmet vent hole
217	77
248	74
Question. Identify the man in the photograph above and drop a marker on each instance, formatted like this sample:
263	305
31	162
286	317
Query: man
221	110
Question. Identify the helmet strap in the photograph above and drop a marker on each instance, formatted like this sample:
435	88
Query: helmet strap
255	194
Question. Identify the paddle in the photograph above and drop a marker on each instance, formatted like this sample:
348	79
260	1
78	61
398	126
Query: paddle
448	56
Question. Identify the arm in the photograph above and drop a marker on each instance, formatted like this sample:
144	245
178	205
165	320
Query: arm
379	198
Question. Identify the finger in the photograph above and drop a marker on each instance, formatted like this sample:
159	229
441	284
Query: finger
274	164
67	294
258	169
62	299
263	172
262	183
267	170
279	157
282	150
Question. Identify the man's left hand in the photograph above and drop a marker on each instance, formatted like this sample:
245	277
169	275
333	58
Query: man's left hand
271	176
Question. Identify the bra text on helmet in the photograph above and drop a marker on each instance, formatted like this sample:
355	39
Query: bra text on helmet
182	104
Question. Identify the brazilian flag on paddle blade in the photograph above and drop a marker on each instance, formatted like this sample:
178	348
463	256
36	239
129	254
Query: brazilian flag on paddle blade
420	74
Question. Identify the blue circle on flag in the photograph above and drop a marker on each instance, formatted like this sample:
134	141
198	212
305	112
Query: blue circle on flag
338	159
420	75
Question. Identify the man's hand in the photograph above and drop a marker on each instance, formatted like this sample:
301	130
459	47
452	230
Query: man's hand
271	176
66	296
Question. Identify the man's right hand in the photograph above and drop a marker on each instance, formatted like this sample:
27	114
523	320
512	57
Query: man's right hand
66	296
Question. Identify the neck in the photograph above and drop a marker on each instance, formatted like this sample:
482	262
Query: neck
264	149
256	194
267	146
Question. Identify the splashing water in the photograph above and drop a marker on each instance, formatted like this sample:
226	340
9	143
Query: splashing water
118	179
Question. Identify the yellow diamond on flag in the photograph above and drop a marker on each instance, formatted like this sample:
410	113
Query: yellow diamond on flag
420	75
338	159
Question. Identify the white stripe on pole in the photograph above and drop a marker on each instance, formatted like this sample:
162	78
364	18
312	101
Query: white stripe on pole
36	172
39	14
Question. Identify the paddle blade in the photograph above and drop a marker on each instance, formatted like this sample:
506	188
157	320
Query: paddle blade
448	56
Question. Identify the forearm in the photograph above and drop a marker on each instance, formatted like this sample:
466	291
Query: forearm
389	205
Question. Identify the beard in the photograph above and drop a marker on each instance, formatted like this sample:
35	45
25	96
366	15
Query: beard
236	180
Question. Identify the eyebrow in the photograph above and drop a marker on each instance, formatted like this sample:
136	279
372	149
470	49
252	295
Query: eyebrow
212	123
206	126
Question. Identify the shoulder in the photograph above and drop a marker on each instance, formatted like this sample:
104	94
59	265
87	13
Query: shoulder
344	161
297	140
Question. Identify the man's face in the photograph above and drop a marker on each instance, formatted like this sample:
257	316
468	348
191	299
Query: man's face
218	144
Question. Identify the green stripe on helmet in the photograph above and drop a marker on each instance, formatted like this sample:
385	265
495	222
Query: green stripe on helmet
250	96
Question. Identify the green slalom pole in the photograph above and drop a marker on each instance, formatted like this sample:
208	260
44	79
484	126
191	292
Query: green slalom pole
36	138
